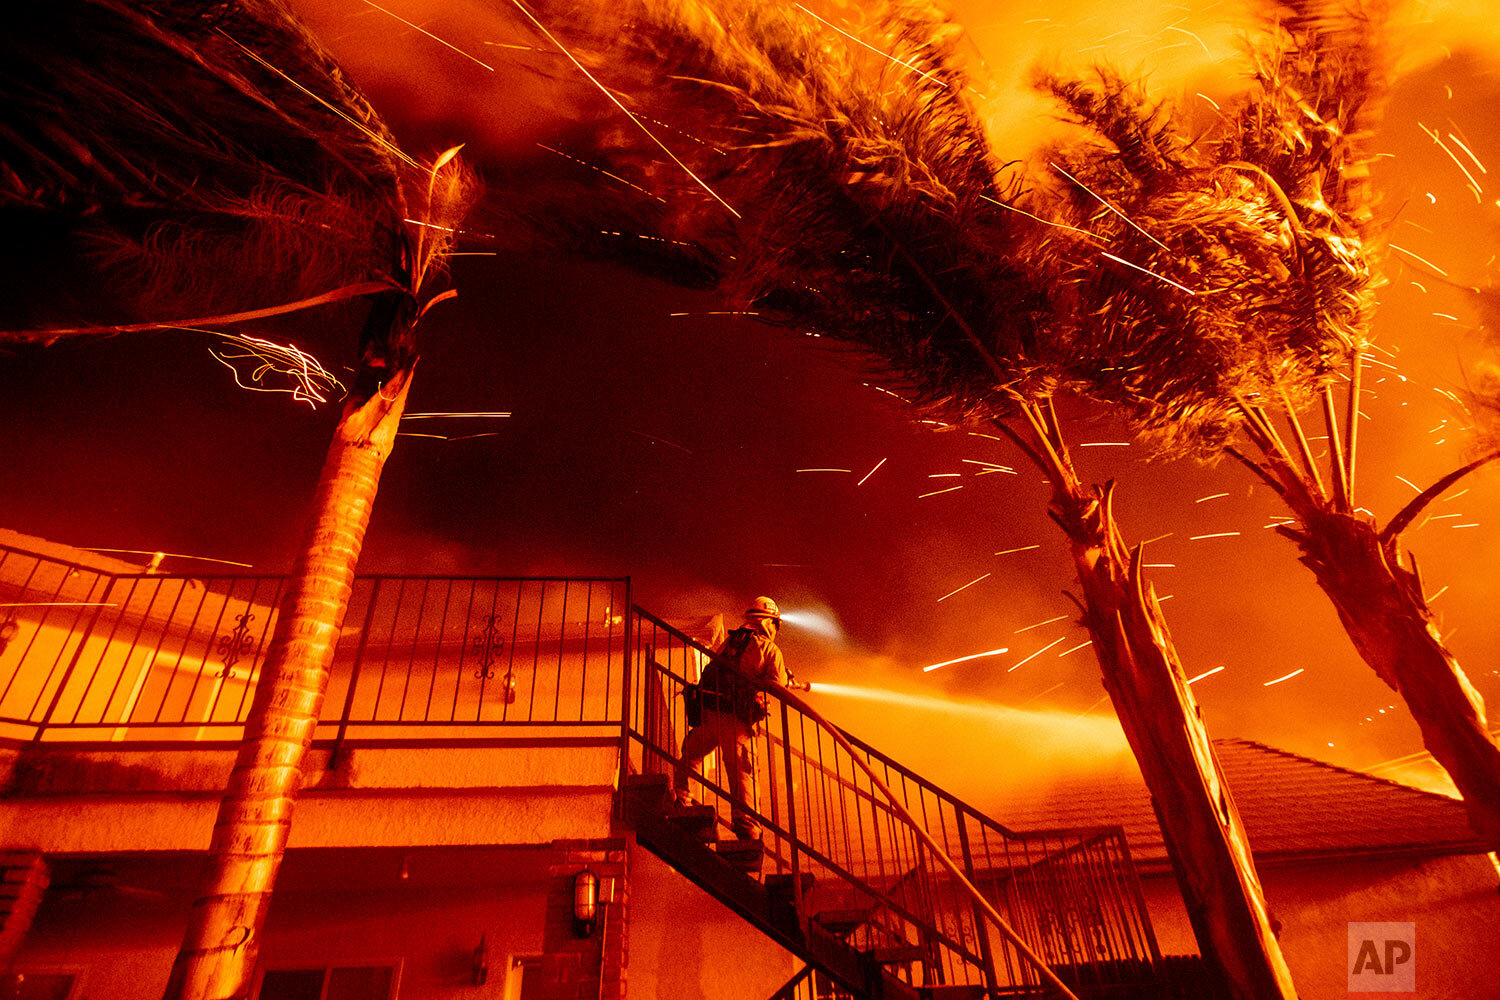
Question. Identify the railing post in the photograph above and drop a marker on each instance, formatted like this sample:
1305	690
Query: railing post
791	818
981	931
631	622
359	659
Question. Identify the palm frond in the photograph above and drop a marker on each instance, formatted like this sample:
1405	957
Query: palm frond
1237	268
204	150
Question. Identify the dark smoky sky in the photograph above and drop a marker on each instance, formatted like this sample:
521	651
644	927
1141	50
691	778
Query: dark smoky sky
667	447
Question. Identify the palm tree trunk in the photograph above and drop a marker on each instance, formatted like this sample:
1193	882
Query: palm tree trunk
1143	675
1382	607
219	948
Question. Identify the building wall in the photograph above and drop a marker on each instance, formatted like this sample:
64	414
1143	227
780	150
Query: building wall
1452	900
123	937
685	945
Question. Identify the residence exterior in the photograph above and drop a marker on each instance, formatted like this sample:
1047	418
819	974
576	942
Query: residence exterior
489	749
1333	846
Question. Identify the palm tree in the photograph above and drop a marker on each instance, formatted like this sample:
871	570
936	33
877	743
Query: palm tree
1259	243
211	160
856	197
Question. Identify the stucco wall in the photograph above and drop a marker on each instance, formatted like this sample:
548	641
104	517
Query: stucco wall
685	945
1452	900
124	939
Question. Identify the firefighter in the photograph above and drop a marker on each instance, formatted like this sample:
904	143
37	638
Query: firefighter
732	708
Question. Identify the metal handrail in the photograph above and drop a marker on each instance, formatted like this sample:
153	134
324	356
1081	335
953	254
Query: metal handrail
97	655
1072	896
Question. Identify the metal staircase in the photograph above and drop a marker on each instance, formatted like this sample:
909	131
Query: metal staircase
843	880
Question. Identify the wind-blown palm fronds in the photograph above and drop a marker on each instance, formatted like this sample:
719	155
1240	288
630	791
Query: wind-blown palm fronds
1264	233
855	196
201	158
210	159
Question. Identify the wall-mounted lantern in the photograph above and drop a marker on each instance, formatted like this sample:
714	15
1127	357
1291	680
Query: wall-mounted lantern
585	903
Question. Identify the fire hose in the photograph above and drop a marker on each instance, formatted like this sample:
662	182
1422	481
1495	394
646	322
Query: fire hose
985	906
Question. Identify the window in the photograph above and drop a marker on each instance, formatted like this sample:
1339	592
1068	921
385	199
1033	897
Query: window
354	982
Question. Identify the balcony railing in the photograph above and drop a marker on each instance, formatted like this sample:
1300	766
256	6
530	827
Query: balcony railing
89	655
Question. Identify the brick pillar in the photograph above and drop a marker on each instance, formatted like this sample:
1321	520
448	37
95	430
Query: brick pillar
591	968
23	879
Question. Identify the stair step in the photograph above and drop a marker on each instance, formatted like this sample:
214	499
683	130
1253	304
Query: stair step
780	886
951	992
842	922
898	954
743	855
648	792
697	822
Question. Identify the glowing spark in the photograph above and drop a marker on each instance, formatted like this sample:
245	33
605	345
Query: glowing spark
1469	152
1217	534
1206	673
962	659
1285	677
1049	621
1474	525
991	466
450	437
1420	287
1086	642
172	555
361	126
1033	656
1038	218
1417	257
606	173
960	590
1173	27
1432	134
718	312
1446	316
1456	495
1211	496
1441	591
1147	270
476	415
616	102
825	470
1408	482
992	437
936	492
1210	100
1104	444
871	472
860	41
653	437
1112	208
1039	694
310	381
430	35
1101	700
1024	548
943	475
1158	565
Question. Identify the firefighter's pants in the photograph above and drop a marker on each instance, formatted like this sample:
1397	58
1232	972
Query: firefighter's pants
734	739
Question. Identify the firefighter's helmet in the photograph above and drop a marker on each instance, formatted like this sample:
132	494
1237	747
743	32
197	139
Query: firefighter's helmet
764	607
